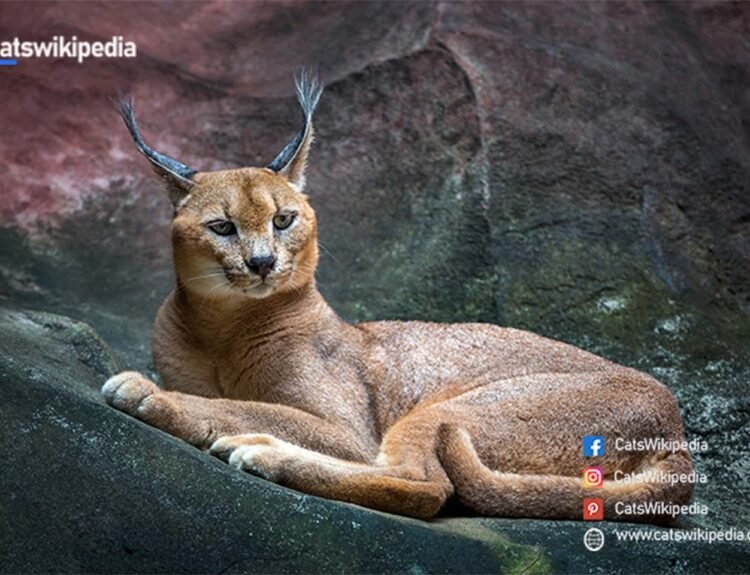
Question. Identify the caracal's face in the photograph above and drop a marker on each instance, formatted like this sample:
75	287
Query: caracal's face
244	233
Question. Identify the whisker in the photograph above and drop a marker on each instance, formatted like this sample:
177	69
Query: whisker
204	276
183	283
329	252
210	292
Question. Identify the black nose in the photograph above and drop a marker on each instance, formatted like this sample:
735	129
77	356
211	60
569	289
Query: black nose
262	265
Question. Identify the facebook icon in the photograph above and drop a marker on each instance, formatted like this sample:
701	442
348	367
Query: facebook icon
593	445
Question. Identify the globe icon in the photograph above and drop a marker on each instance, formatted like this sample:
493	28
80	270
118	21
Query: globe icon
593	539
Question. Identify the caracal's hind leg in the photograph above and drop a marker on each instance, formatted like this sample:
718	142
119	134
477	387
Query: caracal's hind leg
514	448
406	478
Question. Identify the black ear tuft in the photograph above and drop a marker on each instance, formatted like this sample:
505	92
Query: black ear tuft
292	159
176	175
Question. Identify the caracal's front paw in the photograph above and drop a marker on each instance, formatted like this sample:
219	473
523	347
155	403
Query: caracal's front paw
257	453
140	397
127	390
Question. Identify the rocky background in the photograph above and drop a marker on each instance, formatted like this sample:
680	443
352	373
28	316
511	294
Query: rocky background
578	169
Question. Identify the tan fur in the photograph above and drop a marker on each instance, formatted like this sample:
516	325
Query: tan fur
396	416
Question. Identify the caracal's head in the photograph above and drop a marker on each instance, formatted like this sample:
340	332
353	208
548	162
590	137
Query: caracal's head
244	233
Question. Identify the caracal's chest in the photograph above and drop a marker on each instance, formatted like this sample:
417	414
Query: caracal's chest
258	368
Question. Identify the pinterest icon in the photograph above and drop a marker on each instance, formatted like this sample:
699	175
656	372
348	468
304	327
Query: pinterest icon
593	476
593	509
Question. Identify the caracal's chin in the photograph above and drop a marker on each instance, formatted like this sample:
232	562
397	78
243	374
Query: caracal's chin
259	291
213	287
255	288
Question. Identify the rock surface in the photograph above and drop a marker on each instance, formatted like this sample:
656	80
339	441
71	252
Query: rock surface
577	169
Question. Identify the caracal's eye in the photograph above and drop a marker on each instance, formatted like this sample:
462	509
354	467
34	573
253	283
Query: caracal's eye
283	220
222	227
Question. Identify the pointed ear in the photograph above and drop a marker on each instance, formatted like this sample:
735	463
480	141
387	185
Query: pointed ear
177	177
292	160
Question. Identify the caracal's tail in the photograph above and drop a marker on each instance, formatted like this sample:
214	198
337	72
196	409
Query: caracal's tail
495	493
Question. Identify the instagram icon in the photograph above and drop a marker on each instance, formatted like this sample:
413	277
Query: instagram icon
593	476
